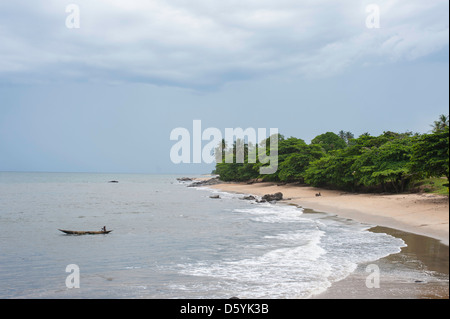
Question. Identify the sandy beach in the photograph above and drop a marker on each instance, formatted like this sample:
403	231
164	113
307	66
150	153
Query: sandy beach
421	220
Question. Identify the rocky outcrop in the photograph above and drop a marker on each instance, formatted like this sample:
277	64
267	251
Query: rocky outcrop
272	197
206	182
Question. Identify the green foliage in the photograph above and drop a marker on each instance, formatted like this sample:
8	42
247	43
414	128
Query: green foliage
386	164
347	137
329	141
431	154
293	167
391	162
435	185
330	171
441	124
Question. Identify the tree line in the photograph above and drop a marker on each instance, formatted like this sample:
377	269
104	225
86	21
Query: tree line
390	162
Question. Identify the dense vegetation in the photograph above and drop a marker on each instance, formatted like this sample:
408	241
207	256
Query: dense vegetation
391	162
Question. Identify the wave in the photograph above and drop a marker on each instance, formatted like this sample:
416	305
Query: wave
299	263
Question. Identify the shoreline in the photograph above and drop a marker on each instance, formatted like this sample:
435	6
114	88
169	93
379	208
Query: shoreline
421	214
419	271
421	220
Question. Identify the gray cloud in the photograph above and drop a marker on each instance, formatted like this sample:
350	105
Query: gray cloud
202	43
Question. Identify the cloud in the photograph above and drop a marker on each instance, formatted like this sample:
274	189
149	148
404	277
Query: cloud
200	43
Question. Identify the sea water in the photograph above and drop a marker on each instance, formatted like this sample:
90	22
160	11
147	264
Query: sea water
168	241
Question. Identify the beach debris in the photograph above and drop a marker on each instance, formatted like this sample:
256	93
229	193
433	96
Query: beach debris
318	194
214	196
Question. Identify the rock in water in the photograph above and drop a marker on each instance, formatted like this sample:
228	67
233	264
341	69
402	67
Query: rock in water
211	181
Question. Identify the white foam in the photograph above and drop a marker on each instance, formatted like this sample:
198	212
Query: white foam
278	273
302	261
309	262
268	213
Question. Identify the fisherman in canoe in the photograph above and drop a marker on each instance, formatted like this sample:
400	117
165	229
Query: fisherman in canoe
76	232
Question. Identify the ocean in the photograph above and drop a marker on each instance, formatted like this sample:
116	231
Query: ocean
168	241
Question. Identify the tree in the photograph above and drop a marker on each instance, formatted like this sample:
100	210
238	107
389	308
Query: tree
329	142
269	148
431	154
441	124
317	173
347	137
294	165
386	165
333	170
390	161
369	161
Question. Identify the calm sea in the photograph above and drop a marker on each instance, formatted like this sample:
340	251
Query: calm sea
168	241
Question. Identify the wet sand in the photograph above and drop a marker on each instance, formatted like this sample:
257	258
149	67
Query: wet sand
419	271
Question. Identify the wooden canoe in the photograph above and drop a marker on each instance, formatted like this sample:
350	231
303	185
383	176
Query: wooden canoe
76	232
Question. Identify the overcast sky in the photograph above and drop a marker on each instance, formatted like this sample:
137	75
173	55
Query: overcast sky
104	97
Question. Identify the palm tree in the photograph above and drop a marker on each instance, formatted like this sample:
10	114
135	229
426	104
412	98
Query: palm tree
220	151
441	124
346	136
349	136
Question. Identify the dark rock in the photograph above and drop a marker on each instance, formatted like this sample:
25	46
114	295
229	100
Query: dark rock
214	196
184	179
272	197
251	197
113	181
207	182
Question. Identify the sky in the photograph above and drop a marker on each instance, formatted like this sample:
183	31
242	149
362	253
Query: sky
104	95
